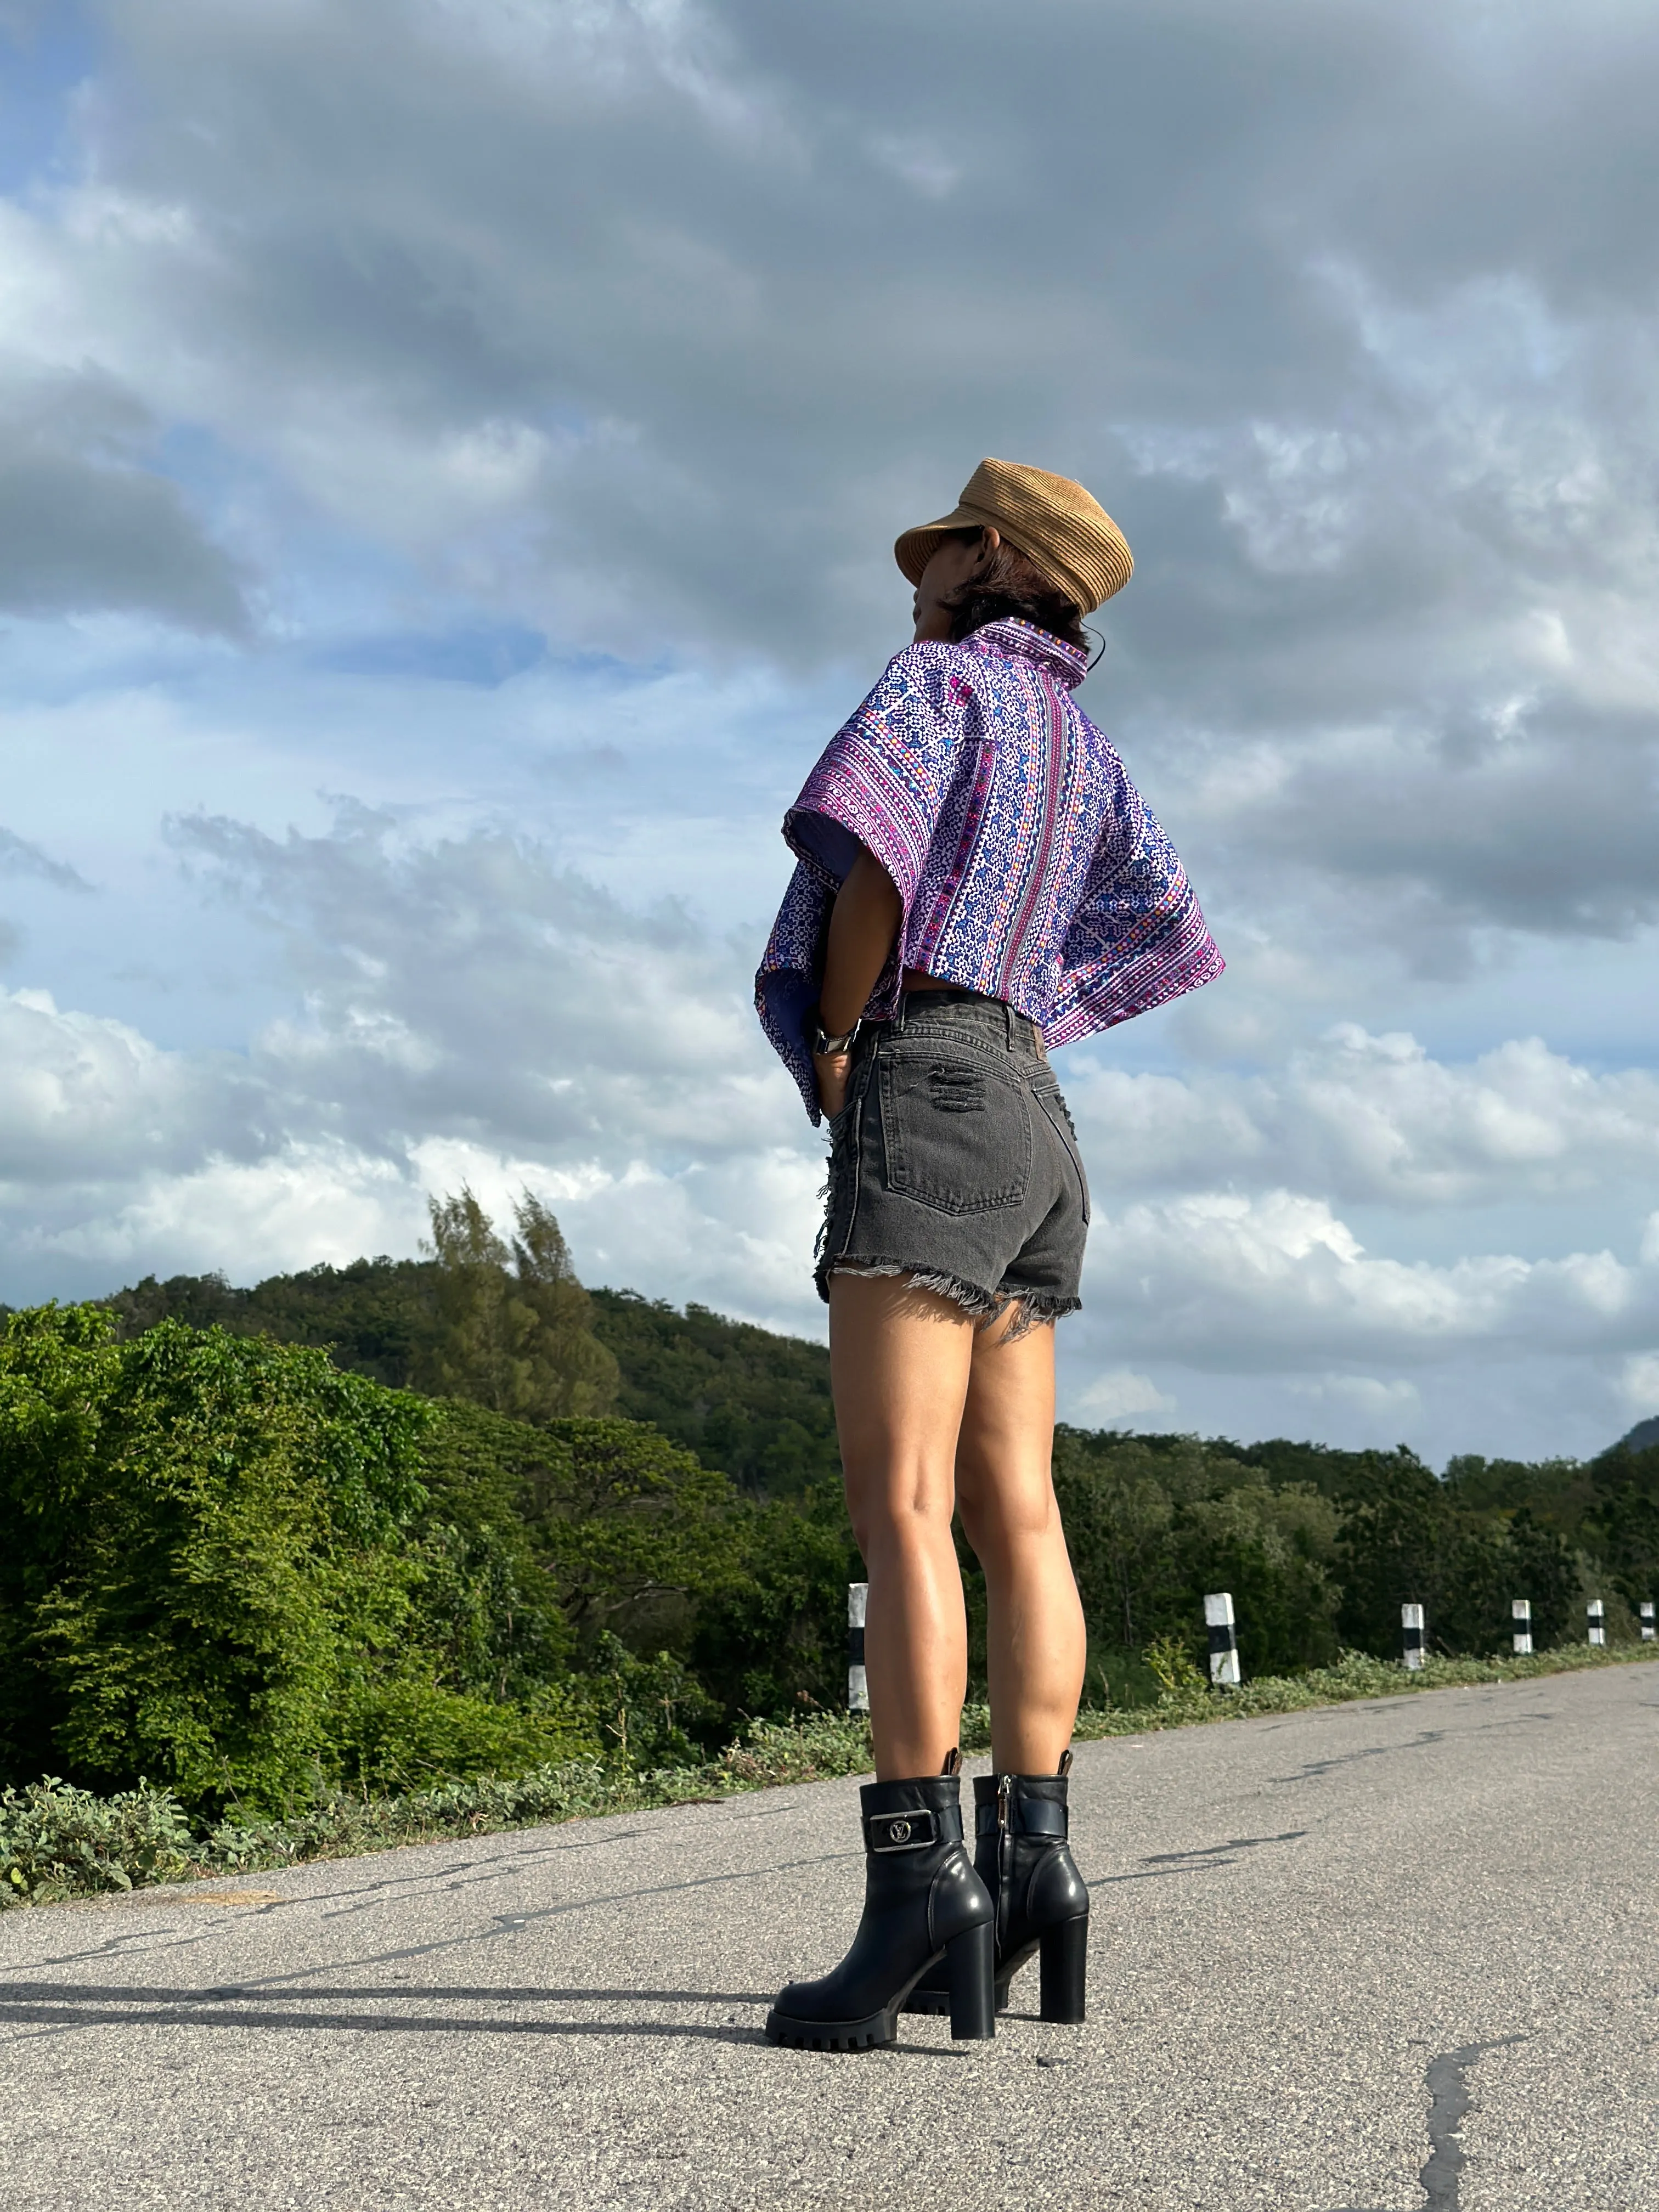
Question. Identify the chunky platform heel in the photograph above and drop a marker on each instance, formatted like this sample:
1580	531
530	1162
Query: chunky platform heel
1022	1856
970	1974
1064	1953
925	1910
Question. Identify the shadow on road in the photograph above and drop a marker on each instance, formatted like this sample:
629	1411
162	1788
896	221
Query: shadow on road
14	1994
69	2005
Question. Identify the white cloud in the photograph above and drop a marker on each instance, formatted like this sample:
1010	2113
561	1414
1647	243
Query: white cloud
1640	1381
1222	1281
302	1204
1378	1118
83	1098
1120	1395
1370	1395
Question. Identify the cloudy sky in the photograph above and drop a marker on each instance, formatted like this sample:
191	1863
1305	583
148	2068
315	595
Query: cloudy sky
450	451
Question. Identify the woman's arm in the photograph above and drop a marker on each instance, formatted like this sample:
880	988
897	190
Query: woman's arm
863	924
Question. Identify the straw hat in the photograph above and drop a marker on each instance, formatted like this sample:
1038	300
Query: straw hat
1054	522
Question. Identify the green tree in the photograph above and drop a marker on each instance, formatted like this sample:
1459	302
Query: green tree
769	1638
1119	1514
1621	1521
632	1533
1155	1523
1407	1538
1273	1550
515	1330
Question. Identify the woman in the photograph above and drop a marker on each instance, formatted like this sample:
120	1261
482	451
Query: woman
977	880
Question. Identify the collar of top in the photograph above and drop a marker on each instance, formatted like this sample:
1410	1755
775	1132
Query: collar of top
1010	638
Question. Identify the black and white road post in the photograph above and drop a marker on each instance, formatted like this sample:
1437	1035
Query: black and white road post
1646	1612
858	1687
1598	1621
1410	1628
1223	1643
1521	1609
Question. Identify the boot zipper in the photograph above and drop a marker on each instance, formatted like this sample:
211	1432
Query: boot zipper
1005	1855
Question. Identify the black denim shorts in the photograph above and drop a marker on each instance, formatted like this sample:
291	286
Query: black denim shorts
954	1162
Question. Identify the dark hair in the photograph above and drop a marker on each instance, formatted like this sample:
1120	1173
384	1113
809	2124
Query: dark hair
1012	584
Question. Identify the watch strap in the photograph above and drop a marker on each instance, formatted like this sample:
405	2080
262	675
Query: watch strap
823	1044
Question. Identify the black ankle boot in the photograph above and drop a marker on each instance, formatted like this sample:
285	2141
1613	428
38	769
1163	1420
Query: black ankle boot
1024	1859
924	1906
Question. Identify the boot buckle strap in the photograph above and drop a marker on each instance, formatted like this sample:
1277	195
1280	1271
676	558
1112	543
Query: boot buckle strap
900	1831
1027	1816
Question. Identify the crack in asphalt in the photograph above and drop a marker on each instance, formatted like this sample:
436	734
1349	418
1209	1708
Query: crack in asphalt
1214	1851
1425	1740
1449	2091
1203	1858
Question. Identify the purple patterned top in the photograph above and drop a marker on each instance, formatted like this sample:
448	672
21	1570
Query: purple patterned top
1030	868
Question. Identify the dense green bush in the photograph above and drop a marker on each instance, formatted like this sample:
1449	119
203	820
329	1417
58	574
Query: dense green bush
255	1578
751	1402
201	1527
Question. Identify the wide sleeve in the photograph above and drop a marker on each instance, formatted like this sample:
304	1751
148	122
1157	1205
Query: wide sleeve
881	782
1139	937
786	984
882	779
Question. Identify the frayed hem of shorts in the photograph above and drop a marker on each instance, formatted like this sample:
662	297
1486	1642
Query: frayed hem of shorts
982	1307
1037	1309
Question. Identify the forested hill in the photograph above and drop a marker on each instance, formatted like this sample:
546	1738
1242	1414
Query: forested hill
751	1403
755	1404
505	1323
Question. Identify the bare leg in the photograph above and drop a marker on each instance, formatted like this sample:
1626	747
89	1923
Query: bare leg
1004	1488
899	1364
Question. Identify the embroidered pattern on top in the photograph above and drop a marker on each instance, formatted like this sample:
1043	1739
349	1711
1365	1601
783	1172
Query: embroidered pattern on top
1030	868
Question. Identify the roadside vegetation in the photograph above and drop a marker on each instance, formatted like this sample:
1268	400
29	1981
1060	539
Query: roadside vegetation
410	1548
58	1842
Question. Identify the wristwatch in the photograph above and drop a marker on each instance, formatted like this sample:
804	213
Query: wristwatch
823	1047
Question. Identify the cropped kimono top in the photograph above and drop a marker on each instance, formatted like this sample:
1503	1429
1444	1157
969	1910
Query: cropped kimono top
1030	868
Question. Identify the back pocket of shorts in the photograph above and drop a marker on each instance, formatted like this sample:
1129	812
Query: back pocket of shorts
1060	1120
956	1131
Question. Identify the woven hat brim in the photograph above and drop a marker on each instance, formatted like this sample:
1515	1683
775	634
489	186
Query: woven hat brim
914	548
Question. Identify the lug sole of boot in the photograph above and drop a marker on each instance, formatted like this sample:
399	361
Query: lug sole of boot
930	2001
873	2033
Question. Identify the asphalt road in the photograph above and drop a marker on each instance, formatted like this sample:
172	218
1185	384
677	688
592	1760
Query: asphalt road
1366	1960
